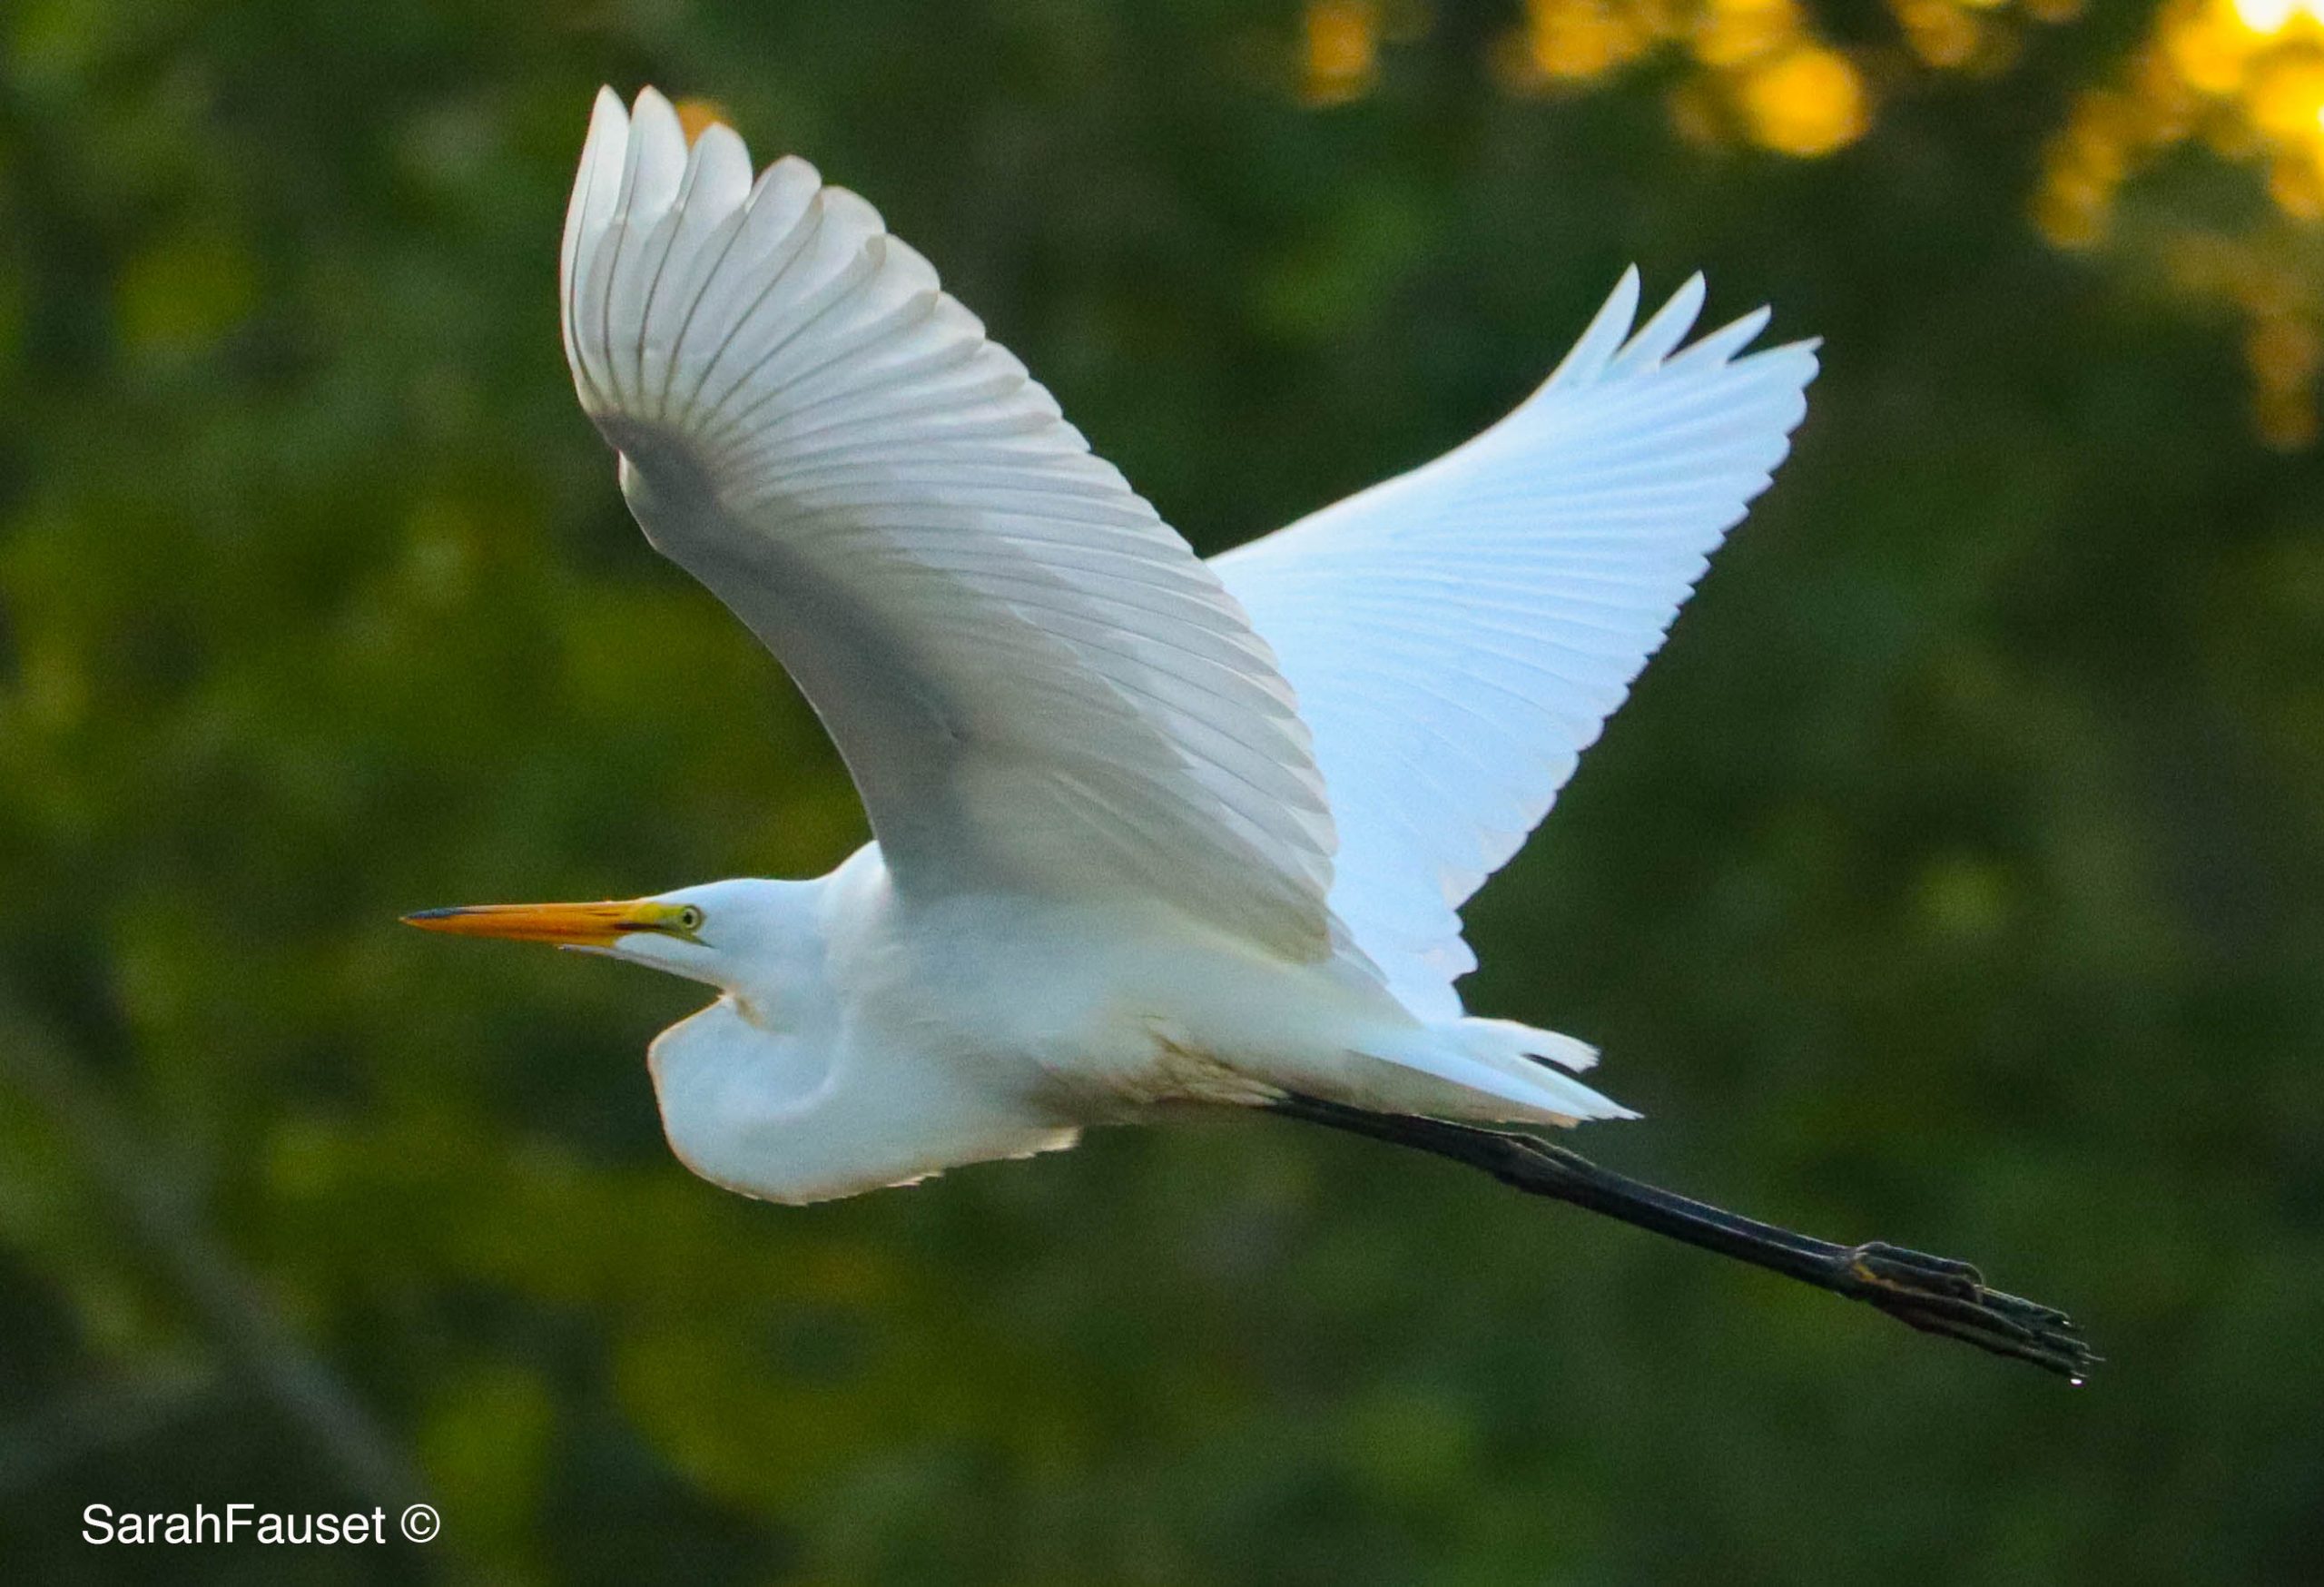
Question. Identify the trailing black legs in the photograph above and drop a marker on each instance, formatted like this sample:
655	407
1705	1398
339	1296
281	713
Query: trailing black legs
1934	1294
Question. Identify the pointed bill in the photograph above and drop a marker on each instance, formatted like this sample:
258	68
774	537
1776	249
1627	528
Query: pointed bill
570	925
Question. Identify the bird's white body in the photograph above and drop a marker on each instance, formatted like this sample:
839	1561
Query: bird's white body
866	1038
1150	832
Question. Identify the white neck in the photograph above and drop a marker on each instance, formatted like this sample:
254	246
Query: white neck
783	1089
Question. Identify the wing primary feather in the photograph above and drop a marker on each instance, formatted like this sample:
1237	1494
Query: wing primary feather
1657	336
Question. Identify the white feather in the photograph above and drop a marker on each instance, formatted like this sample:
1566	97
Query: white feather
1459	635
1036	684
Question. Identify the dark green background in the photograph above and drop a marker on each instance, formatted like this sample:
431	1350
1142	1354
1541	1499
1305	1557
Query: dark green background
1954	876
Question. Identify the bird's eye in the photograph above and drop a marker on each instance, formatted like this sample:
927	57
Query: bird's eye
689	918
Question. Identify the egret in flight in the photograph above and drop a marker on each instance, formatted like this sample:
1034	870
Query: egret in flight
1152	834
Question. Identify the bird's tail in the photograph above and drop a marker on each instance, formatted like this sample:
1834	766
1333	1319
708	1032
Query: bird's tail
1498	1071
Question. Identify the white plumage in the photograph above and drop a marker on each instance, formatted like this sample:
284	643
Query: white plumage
1458	636
1148	831
1034	683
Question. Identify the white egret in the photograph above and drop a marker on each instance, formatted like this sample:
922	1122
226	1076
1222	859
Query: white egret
1150	833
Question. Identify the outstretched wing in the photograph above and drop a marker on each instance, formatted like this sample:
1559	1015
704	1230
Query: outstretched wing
1033	680
1459	635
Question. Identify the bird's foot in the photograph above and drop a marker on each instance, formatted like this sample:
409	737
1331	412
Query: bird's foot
1940	1296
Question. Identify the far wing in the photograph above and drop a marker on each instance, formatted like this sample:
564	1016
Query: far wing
1459	635
1033	680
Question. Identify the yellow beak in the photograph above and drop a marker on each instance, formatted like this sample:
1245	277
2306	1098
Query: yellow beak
571	925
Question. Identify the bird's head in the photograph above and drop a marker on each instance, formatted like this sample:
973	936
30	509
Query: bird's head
727	934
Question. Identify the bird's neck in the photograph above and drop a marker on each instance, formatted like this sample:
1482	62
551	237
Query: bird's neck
737	1097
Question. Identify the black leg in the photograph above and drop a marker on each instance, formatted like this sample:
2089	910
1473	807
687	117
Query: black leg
1934	1294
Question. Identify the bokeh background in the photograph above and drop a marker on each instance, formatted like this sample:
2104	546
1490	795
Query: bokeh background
1956	876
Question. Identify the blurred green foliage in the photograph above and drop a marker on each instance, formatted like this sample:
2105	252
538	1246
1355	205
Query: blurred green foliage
1957	875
